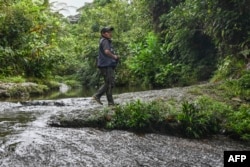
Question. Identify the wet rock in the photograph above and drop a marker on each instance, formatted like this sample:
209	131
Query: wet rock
20	90
4	93
8	106
34	143
78	118
94	115
45	103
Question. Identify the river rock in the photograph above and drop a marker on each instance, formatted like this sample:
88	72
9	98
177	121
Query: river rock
78	118
20	90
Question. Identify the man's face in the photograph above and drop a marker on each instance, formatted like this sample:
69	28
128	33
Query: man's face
107	34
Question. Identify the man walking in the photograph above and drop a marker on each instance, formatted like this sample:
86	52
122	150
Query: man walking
106	62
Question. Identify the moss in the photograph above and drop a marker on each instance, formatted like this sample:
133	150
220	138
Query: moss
25	90
18	91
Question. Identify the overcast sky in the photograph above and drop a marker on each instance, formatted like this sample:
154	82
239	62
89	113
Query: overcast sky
69	6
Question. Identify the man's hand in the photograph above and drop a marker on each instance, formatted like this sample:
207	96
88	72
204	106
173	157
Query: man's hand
110	54
116	57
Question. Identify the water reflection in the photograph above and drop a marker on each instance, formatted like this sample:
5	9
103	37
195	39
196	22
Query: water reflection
84	92
12	121
67	92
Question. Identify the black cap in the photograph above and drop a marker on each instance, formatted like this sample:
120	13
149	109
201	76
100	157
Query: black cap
106	29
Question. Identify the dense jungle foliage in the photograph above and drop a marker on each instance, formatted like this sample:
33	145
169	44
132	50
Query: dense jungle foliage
162	43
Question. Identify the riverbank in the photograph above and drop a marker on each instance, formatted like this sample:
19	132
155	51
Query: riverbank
196	111
29	138
21	90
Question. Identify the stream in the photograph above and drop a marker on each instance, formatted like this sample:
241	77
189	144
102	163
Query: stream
26	139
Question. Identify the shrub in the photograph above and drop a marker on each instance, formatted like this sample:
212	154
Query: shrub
201	118
137	115
244	85
238	123
239	87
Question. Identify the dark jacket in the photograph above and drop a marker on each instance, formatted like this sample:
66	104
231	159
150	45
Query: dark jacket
103	59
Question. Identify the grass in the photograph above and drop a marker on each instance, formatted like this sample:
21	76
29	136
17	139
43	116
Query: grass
16	79
215	111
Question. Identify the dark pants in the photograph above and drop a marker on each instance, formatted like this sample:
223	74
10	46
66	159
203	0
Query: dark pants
108	74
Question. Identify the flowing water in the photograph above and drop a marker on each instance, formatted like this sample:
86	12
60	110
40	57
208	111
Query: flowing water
26	139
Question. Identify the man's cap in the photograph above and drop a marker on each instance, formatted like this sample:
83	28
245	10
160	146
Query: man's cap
106	29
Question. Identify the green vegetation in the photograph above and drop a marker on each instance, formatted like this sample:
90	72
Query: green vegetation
137	116
238	123
207	113
219	109
24	91
202	118
162	43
